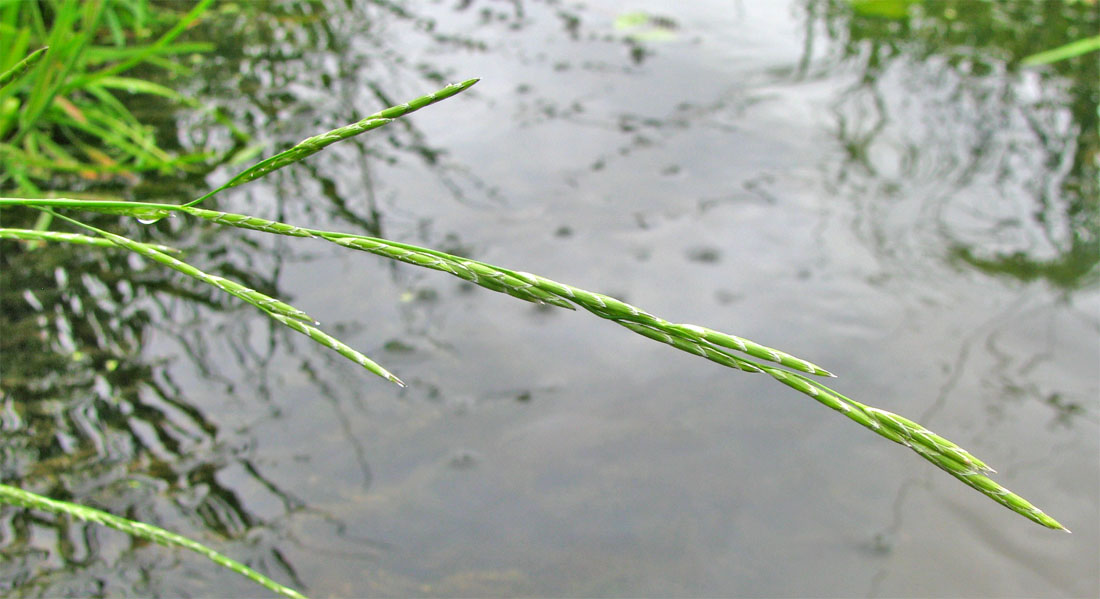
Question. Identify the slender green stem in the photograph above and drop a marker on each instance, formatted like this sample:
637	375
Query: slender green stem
260	300
280	311
338	346
57	236
17	496
522	285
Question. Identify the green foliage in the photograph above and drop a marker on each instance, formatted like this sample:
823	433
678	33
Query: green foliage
64	114
887	9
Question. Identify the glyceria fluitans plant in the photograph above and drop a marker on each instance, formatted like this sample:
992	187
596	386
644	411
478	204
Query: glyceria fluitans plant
70	93
723	348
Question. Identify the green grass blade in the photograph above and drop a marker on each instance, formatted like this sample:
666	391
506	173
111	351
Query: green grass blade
9	76
115	132
140	86
66	42
16	496
153	55
1070	50
136	56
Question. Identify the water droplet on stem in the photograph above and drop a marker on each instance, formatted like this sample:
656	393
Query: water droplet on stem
153	217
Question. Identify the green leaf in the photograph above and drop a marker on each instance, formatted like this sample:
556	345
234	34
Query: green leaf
9	76
1071	50
883	9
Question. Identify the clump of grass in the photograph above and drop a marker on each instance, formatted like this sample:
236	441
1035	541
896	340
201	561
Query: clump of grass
723	348
65	116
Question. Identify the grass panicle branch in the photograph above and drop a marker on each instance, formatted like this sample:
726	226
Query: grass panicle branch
281	312
260	300
338	346
310	146
26	499
710	344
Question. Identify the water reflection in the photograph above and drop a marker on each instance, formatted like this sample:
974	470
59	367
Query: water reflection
1004	156
86	417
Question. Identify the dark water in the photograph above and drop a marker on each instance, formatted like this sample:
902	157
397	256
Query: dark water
894	200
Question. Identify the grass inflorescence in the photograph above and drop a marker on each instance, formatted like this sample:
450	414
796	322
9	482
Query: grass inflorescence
713	345
722	348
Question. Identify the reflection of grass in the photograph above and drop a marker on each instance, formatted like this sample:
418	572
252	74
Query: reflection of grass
712	345
971	54
1071	270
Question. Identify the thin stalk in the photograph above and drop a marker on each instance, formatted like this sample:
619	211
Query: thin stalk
279	311
1070	50
57	236
26	499
522	285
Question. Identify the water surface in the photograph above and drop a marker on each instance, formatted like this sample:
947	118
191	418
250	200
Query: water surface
892	199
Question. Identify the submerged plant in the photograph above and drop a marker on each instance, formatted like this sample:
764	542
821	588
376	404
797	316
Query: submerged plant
707	343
